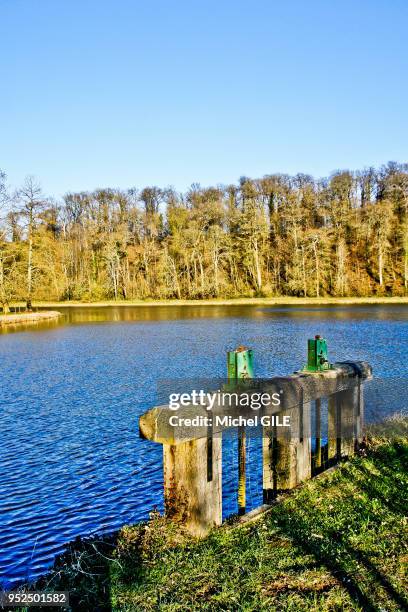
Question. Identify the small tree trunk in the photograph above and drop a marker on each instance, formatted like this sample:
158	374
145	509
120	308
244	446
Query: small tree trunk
317	268
202	277
304	273
175	277
188	276
3	296
30	272
257	266
380	266
405	258
215	259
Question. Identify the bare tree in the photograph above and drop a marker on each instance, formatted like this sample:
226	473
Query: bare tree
276	235
31	202
6	260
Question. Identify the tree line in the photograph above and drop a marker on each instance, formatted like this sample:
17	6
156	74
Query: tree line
346	235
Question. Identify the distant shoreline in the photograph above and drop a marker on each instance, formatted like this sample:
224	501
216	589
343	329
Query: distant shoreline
275	301
27	318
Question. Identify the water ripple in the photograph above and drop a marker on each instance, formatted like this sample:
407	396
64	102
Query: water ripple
71	461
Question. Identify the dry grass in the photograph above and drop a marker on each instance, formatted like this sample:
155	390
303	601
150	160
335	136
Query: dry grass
272	301
27	318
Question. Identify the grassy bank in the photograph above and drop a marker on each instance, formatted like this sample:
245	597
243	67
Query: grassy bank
274	301
27	318
337	543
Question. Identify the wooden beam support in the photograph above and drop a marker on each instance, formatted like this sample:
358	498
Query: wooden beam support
189	496
192	456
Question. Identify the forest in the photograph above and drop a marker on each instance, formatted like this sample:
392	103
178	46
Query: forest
280	235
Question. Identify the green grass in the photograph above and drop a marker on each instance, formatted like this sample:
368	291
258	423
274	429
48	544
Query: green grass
339	542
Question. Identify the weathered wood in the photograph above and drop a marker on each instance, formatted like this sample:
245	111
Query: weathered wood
241	470
193	455
318	433
286	457
189	496
154	424
348	403
360	414
287	462
333	429
304	446
345	421
269	463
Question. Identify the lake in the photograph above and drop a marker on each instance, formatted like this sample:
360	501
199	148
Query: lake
71	460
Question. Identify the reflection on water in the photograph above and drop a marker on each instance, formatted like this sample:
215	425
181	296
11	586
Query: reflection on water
121	313
90	314
70	394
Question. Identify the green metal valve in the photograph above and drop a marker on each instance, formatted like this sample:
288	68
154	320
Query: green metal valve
317	359
240	363
240	367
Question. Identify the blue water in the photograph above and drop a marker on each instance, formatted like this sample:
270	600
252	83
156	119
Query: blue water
71	460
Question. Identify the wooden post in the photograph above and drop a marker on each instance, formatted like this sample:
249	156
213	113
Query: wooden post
349	404
279	460
286	461
287	457
359	414
190	497
345	421
304	444
334	432
318	434
269	463
241	470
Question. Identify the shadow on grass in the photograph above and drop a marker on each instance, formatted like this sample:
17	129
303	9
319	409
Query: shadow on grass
89	568
374	490
331	548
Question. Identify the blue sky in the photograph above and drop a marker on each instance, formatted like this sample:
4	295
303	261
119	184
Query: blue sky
126	93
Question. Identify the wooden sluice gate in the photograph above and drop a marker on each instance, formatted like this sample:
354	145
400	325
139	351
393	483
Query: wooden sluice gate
292	450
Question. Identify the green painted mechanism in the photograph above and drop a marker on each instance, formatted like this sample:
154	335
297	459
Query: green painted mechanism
240	366
317	359
240	363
